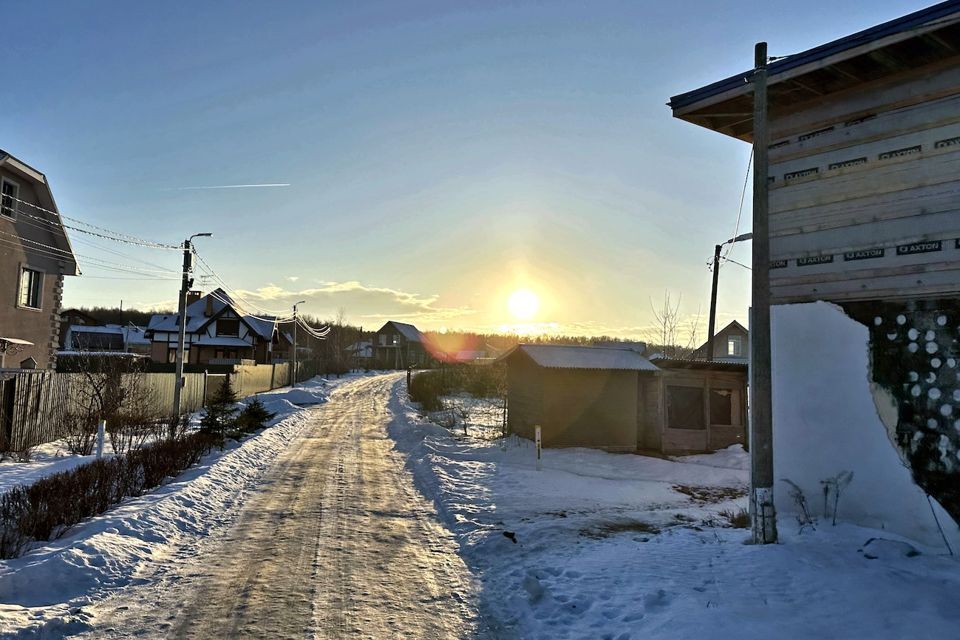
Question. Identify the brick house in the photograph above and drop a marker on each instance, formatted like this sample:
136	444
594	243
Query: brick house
36	257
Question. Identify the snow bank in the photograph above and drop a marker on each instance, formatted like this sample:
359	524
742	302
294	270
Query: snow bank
44	592
825	421
620	546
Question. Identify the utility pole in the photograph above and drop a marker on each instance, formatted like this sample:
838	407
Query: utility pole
761	406
712	325
293	374
713	292
185	284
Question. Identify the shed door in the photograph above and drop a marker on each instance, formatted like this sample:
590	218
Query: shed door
648	427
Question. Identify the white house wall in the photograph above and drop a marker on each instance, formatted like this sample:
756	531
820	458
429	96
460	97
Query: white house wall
827	420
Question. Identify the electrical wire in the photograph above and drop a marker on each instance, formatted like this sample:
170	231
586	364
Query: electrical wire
743	196
101	232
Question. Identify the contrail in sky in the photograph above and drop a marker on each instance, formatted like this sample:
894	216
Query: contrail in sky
234	186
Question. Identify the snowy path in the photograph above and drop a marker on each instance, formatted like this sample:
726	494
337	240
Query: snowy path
335	543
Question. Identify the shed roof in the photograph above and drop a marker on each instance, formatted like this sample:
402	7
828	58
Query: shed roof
920	38
553	356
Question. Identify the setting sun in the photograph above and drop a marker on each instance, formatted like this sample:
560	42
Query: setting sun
523	304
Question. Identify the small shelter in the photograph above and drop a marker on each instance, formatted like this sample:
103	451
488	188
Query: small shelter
618	400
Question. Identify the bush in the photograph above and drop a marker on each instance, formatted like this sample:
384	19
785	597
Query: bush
254	416
426	388
479	381
220	414
48	507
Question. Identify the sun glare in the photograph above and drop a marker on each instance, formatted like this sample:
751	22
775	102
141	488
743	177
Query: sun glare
523	304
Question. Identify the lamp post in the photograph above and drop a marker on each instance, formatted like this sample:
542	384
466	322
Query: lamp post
185	285
293	373
711	327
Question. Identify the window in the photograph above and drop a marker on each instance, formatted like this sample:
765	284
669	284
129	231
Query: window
685	408
31	288
8	202
383	339
721	406
735	346
228	327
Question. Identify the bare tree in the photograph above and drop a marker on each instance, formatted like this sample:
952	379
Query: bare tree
673	336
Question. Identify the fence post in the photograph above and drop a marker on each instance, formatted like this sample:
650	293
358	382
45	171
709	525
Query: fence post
206	381
101	429
539	447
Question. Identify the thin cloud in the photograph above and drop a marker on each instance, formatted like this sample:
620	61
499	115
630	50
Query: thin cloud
265	185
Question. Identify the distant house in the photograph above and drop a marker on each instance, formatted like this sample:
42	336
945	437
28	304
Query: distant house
218	333
730	343
618	400
398	345
36	256
360	353
105	338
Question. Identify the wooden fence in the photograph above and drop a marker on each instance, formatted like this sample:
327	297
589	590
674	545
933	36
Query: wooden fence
34	403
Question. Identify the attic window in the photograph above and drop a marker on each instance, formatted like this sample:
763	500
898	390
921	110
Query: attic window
735	346
228	327
8	203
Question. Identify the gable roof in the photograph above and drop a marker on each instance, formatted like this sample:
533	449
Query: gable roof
197	319
408	331
702	349
47	212
911	41
555	356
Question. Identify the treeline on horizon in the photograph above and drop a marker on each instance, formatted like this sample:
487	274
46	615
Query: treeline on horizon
345	333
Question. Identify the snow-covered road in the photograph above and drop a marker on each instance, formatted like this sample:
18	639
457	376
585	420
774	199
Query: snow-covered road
335	542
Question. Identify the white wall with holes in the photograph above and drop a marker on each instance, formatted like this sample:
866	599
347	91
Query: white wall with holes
826	421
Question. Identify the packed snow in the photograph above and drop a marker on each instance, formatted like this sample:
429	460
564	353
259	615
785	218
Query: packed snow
44	592
601	545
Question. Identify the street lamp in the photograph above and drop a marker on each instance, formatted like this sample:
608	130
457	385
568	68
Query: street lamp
294	372
185	284
713	293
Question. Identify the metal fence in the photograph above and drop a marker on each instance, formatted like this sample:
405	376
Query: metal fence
33	404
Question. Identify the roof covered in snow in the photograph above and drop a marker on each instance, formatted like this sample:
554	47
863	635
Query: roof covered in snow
555	356
197	316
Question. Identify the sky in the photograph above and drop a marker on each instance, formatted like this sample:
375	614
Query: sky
427	159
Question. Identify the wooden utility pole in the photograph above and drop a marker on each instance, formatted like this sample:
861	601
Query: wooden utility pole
761	406
712	325
185	284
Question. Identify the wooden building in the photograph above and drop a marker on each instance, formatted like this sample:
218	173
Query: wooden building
864	153
864	160
732	343
616	399
398	345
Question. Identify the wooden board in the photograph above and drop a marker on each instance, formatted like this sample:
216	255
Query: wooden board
867	205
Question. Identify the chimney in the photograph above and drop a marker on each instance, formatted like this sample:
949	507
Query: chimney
209	310
192	296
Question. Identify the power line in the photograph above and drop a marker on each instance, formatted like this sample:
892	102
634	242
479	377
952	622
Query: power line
743	195
101	232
